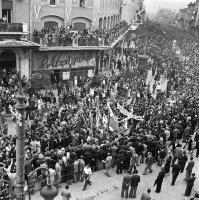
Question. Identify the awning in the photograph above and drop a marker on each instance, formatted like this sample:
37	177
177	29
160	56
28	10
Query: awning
18	44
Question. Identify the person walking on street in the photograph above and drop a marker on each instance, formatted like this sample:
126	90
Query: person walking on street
134	184
108	163
197	148
149	163
114	150
175	171
182	161
167	165
190	183
125	186
76	170
133	162
87	174
146	196
66	195
81	168
119	163
189	168
159	180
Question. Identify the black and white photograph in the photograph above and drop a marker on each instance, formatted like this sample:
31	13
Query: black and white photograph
99	99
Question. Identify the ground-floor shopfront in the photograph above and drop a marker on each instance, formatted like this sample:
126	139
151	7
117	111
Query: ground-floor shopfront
61	67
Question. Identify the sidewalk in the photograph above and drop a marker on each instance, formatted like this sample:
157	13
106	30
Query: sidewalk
109	188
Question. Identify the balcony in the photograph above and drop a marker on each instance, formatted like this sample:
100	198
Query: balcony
11	28
105	38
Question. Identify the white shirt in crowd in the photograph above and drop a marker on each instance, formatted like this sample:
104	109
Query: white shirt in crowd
87	170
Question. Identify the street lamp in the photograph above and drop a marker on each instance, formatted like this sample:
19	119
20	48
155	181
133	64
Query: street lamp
20	132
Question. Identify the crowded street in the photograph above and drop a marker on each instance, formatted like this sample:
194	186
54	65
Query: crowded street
99	111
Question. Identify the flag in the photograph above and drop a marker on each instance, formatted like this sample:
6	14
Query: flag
105	120
111	112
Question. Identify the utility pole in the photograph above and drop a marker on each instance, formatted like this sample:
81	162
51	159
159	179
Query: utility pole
20	120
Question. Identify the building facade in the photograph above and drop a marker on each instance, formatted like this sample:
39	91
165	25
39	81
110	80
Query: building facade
131	9
79	13
64	62
188	18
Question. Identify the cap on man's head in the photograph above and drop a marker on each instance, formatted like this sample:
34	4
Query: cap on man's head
149	190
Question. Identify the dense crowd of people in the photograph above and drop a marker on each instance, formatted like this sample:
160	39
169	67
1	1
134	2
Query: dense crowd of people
69	131
67	36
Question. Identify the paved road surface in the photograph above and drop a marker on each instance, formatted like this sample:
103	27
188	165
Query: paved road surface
109	188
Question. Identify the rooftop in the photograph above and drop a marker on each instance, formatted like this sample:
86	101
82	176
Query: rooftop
17	44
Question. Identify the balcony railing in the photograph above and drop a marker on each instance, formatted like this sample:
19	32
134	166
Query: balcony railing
102	39
11	27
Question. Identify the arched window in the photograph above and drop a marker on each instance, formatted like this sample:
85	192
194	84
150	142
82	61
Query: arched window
52	2
105	23
100	24
108	23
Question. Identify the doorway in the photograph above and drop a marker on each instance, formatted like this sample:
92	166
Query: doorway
7	61
51	25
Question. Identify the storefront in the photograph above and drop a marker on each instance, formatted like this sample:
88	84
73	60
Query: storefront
63	66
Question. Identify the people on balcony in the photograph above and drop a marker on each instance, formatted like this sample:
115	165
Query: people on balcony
67	36
4	19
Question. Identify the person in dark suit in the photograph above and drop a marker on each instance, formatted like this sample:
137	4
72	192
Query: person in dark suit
134	184
175	172
189	168
167	164
159	180
190	183
125	186
182	161
197	148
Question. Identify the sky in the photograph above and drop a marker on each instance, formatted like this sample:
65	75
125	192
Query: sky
152	6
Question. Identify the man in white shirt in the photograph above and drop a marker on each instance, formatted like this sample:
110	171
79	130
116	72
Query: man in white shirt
87	174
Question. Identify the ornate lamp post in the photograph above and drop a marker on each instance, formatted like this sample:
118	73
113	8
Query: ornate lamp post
20	120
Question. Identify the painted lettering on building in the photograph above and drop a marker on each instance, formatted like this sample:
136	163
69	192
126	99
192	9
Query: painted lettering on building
62	61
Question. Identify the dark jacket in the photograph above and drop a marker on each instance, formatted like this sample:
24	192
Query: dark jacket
176	169
183	159
190	165
190	181
135	180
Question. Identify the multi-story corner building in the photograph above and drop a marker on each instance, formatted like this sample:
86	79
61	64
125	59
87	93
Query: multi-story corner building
73	34
131	9
50	13
187	17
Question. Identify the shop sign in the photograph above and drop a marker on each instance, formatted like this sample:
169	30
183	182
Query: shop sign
51	60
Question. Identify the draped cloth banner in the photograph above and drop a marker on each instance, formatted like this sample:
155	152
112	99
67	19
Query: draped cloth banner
128	114
111	112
